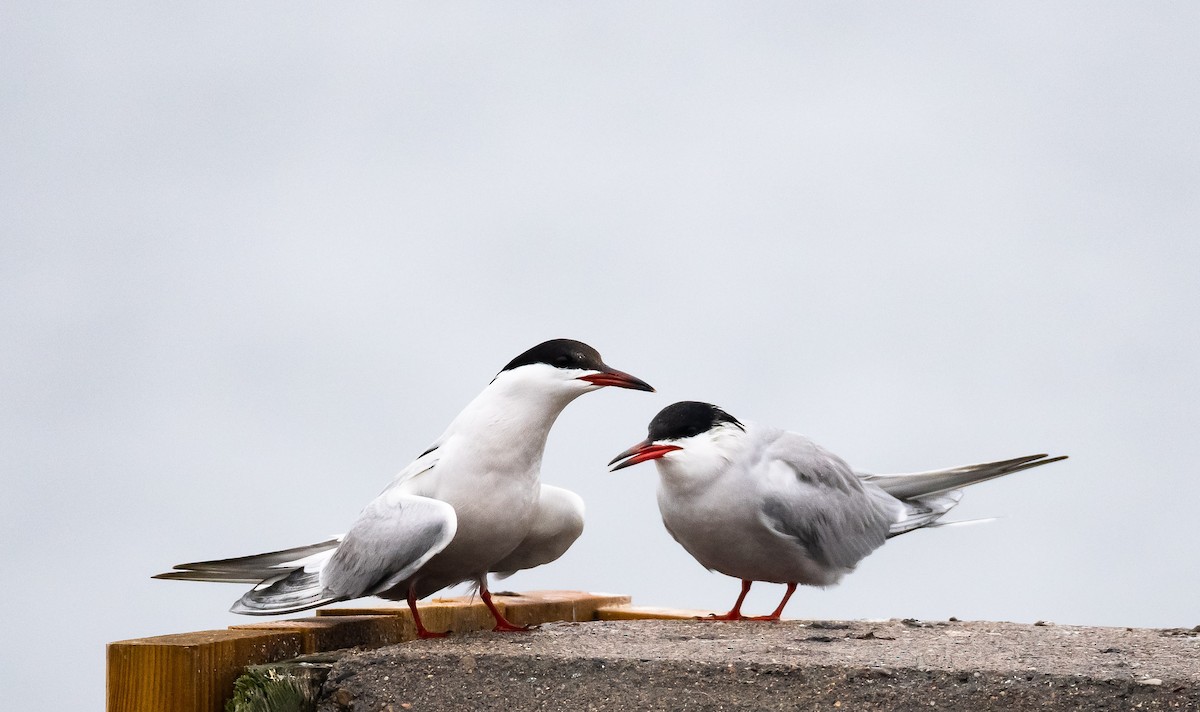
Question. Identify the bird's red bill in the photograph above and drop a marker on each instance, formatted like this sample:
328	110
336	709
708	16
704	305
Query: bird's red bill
620	379
642	452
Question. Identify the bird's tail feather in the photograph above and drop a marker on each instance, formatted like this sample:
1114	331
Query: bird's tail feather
217	576
295	591
255	568
924	512
912	486
286	581
963	522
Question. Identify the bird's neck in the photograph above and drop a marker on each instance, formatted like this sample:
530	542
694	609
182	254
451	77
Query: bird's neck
511	420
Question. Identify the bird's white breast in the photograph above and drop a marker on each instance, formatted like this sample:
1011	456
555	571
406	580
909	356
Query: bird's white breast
712	502
488	463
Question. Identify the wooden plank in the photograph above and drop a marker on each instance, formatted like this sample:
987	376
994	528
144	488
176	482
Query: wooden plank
467	613
535	607
461	614
325	633
456	615
382	609
189	672
637	613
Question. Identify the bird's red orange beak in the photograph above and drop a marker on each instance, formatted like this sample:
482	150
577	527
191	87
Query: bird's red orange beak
620	379
642	452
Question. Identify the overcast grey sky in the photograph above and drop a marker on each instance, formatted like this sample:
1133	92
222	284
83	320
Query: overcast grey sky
256	256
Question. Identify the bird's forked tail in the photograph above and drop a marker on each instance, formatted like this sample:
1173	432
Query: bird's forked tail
287	581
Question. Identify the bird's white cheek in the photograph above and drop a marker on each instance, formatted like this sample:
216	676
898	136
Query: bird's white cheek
674	465
666	465
696	463
687	458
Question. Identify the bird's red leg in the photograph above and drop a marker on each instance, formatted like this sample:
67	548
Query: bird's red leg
502	624
791	588
421	632
735	614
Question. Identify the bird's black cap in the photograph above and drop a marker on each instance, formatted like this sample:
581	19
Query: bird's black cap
686	419
560	353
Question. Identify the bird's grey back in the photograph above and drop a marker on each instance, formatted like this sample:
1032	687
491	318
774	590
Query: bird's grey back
826	508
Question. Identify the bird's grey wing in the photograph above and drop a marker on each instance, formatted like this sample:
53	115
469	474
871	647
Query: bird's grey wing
813	497
558	523
393	537
918	484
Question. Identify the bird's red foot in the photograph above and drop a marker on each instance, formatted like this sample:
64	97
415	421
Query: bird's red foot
422	632
730	616
502	624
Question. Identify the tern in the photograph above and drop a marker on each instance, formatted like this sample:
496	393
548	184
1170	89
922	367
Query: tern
470	504
762	504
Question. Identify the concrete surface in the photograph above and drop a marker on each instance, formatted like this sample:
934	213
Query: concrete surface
794	665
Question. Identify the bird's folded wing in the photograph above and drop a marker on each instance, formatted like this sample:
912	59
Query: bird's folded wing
815	498
393	537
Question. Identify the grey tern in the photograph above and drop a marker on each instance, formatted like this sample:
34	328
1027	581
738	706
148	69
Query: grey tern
762	504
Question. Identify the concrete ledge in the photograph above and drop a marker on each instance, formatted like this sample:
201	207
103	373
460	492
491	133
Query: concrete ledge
695	665
635	657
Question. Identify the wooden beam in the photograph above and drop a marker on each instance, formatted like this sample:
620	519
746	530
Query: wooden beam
189	672
324	633
537	607
642	613
463	614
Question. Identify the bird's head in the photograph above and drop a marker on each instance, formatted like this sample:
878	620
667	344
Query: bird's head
566	368
687	435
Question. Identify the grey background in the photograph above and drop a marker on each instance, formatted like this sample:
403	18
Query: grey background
256	256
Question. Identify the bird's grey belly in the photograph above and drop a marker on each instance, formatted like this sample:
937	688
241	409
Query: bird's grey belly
486	533
736	544
477	545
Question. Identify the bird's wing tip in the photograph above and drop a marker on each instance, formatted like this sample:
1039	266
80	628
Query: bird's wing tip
174	575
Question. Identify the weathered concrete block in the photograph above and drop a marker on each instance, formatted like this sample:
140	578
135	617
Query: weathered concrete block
698	665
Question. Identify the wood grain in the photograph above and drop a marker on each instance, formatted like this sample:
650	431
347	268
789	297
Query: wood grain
189	672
